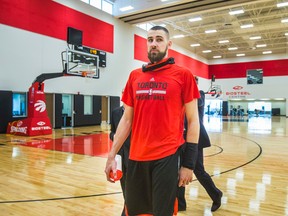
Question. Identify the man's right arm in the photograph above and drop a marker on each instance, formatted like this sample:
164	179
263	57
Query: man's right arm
122	132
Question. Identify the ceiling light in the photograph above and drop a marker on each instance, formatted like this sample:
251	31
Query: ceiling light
286	34
279	98
261	45
240	54
232	48
195	19
217	56
236	12
267	52
195	45
223	41
178	36
284	20
255	38
247	26
282	4
164	0
126	8
210	31
206	51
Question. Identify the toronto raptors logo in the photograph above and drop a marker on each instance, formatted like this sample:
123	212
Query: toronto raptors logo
40	106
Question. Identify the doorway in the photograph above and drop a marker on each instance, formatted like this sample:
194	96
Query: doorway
67	110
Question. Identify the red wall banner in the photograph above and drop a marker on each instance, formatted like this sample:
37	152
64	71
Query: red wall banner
49	18
238	70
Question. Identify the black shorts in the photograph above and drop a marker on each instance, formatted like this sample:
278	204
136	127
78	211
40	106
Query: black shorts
151	186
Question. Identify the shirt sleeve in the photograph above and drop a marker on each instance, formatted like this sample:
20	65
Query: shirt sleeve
127	96
190	88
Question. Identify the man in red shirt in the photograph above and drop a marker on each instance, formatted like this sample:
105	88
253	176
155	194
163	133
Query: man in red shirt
156	98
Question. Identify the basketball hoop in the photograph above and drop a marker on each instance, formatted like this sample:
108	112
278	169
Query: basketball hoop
215	91
88	74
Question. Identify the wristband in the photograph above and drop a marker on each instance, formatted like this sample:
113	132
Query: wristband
190	155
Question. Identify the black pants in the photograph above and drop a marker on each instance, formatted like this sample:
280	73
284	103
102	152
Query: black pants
151	186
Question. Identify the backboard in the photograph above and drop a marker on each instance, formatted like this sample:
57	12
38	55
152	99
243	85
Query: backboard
77	63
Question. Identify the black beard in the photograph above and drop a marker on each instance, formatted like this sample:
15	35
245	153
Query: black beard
156	57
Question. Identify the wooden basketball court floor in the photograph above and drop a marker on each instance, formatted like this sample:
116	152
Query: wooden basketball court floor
63	174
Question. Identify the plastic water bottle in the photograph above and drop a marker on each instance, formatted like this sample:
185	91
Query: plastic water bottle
119	172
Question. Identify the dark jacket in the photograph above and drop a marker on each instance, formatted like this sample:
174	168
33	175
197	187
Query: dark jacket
204	140
115	119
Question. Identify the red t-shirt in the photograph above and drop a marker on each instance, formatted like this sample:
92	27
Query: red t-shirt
158	99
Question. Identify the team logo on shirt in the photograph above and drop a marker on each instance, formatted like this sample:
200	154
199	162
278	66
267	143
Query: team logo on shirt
151	90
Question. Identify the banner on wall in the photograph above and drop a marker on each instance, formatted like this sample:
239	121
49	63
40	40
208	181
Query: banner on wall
237	92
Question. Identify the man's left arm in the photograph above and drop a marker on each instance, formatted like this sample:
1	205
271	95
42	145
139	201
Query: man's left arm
191	149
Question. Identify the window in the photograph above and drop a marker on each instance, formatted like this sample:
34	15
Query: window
96	3
19	106
145	26
88	105
106	6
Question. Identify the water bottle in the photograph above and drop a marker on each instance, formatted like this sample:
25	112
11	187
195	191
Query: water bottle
119	172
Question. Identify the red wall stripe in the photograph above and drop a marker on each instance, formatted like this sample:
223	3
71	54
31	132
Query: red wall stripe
238	70
52	19
198	68
140	49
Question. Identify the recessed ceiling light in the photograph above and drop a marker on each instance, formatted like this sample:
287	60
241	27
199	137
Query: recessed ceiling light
206	51
178	36
286	34
282	4
223	41
267	52
210	31
284	20
261	45
195	45
217	56
195	19
232	48
255	38
240	54
236	12
247	26
126	8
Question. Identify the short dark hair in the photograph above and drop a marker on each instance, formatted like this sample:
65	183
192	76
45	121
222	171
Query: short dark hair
155	28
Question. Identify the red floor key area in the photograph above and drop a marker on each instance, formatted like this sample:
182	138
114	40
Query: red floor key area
93	145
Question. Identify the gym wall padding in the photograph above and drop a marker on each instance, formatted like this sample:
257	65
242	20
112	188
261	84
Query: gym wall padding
85	120
52	19
5	109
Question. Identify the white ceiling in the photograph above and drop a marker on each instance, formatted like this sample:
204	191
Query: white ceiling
175	14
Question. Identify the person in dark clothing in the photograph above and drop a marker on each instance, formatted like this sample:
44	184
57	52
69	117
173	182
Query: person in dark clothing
200	173
124	150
